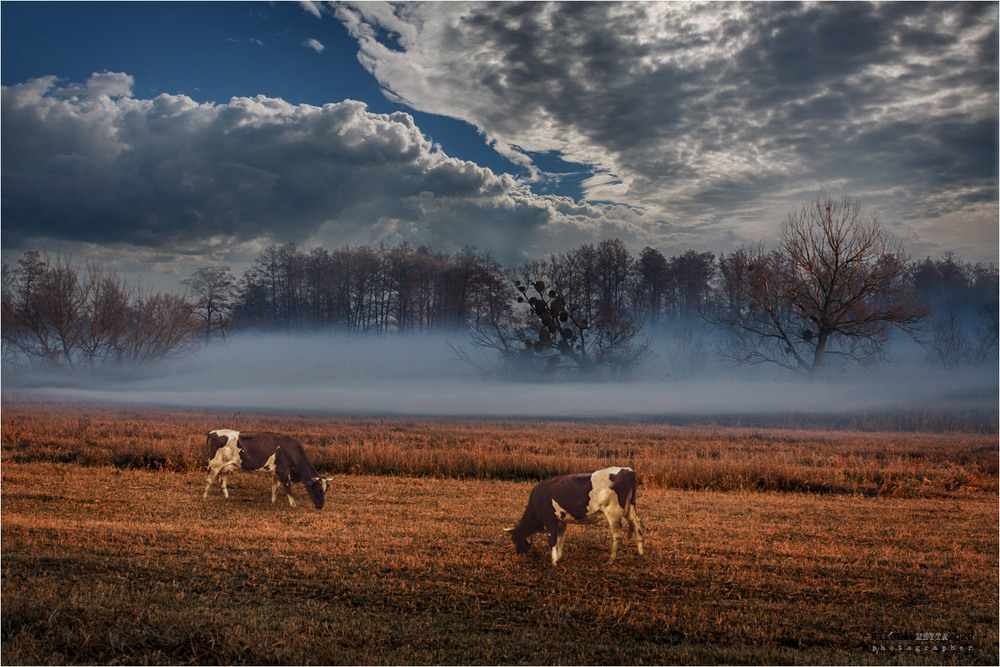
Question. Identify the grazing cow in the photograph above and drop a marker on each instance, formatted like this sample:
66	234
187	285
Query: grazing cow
580	498
266	452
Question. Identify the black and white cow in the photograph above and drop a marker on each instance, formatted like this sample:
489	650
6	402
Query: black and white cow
585	498
264	452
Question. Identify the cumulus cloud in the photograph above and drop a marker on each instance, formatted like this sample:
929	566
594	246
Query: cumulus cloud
315	45
701	125
91	163
692	111
314	8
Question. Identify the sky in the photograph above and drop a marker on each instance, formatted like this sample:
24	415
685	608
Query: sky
157	138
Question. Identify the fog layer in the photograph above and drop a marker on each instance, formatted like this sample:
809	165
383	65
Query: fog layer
423	376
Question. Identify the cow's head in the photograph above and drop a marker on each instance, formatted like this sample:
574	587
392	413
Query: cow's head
316	488
521	541
218	438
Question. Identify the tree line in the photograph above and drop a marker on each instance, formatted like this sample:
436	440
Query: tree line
835	287
65	314
367	290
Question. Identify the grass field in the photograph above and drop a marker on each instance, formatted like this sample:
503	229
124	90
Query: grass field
763	546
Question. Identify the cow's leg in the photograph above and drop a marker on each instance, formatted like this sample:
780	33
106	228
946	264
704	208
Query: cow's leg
216	469
275	483
552	530
633	521
285	482
225	489
560	540
209	481
615	524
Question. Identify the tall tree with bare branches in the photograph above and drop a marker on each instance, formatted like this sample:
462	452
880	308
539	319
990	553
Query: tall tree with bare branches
214	291
56	313
836	287
573	315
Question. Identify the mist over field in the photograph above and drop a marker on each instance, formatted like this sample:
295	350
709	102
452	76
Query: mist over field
422	375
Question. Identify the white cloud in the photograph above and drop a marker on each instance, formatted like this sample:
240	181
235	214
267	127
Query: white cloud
702	126
692	111
314	8
315	45
92	164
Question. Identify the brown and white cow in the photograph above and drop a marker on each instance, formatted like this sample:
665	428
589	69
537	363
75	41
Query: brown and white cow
264	452
584	498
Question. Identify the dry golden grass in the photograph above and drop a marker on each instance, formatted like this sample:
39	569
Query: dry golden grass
683	457
112	566
763	545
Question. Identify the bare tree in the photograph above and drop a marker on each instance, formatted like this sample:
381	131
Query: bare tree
690	283
653	284
104	313
214	290
58	314
42	307
571	314
949	346
963	298
161	326
837	286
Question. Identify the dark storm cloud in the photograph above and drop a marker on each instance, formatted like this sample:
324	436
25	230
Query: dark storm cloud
793	47
97	168
700	126
686	109
90	163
